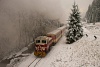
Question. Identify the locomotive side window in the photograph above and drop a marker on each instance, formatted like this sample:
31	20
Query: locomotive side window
37	41
43	41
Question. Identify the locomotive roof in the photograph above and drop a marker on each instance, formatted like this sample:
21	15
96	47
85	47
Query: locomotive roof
54	32
43	38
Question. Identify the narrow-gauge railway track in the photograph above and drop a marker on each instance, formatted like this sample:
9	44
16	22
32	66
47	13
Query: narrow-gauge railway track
32	62
35	62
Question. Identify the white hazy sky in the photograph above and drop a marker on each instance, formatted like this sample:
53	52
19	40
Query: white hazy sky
83	6
61	8
56	9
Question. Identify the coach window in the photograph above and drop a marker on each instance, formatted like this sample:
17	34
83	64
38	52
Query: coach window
43	41
37	41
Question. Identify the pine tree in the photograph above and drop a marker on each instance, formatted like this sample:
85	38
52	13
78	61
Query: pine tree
75	30
93	12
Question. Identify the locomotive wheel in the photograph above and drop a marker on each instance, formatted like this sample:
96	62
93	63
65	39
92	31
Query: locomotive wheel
50	48
54	44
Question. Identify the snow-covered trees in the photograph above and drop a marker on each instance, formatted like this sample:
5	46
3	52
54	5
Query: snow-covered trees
75	30
93	12
19	28
26	29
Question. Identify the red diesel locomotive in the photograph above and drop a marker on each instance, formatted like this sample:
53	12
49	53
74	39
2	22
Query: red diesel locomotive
43	43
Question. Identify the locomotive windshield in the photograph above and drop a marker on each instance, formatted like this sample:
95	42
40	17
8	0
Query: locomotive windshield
43	41
37	41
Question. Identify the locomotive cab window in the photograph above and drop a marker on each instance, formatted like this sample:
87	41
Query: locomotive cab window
43	41
37	41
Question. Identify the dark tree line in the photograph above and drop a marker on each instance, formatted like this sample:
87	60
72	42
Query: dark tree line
93	12
25	27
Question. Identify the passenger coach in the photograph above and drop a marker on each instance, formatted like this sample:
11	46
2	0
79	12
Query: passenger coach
55	35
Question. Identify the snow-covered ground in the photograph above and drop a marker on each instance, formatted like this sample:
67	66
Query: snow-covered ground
83	53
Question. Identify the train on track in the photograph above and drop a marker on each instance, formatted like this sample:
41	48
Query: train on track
44	43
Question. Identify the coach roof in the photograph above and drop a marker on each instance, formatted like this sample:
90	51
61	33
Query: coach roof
54	32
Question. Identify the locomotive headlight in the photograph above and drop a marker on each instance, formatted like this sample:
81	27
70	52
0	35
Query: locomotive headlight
36	48
43	48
